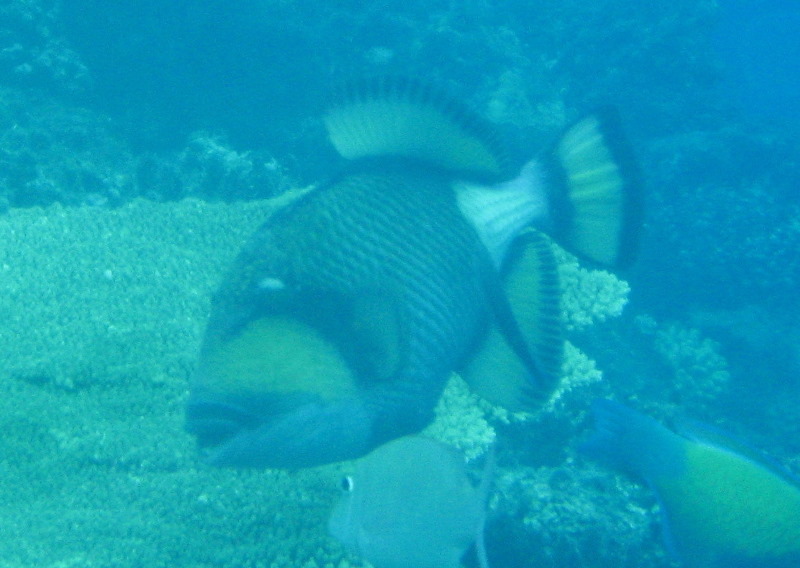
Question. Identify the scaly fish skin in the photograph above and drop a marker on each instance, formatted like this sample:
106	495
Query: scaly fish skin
391	233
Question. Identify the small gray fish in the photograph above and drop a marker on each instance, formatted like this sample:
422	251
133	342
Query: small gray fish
411	504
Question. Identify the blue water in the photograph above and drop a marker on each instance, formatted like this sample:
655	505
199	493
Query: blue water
103	102
757	43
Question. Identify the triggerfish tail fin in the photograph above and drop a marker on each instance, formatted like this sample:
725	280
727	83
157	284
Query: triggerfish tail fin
398	117
519	364
629	441
596	199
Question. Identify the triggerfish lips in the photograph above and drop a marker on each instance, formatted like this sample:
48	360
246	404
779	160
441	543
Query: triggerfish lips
339	322
266	395
302	437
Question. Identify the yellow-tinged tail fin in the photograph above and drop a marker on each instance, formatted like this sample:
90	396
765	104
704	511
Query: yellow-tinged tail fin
596	203
399	117
501	371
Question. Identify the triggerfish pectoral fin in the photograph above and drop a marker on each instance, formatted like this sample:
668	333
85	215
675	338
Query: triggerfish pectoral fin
596	209
721	508
519	363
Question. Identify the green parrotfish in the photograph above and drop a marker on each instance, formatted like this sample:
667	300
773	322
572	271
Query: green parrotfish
341	319
723	506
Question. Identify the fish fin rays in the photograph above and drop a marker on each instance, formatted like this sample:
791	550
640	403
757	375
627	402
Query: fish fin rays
519	364
596	195
398	117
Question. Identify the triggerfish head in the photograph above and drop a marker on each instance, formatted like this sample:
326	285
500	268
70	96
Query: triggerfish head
411	503
722	507
340	321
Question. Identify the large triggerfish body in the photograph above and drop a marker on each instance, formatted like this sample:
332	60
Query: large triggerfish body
340	321
722	508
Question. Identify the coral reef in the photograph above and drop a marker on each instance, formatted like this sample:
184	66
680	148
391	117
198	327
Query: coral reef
700	373
103	312
34	53
572	515
547	508
52	152
590	296
461	420
102	309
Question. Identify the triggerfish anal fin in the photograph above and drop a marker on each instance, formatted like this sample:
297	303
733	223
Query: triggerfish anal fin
402	118
722	509
597	199
519	363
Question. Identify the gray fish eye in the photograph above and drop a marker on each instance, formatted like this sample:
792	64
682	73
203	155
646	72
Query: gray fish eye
346	484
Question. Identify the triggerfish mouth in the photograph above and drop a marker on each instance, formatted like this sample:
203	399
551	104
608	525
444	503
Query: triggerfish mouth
340	321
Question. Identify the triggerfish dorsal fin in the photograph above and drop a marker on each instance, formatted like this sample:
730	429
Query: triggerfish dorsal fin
598	208
519	363
398	117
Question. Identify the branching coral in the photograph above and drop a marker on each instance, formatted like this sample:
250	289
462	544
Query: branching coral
570	515
700	372
590	296
461	420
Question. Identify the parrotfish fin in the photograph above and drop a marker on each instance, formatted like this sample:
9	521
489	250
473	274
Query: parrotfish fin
596	201
399	117
631	442
519	364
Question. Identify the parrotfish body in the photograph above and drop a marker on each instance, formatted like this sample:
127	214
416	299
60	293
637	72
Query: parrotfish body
721	508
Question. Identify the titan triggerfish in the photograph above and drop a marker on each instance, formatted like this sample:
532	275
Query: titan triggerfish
341	319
